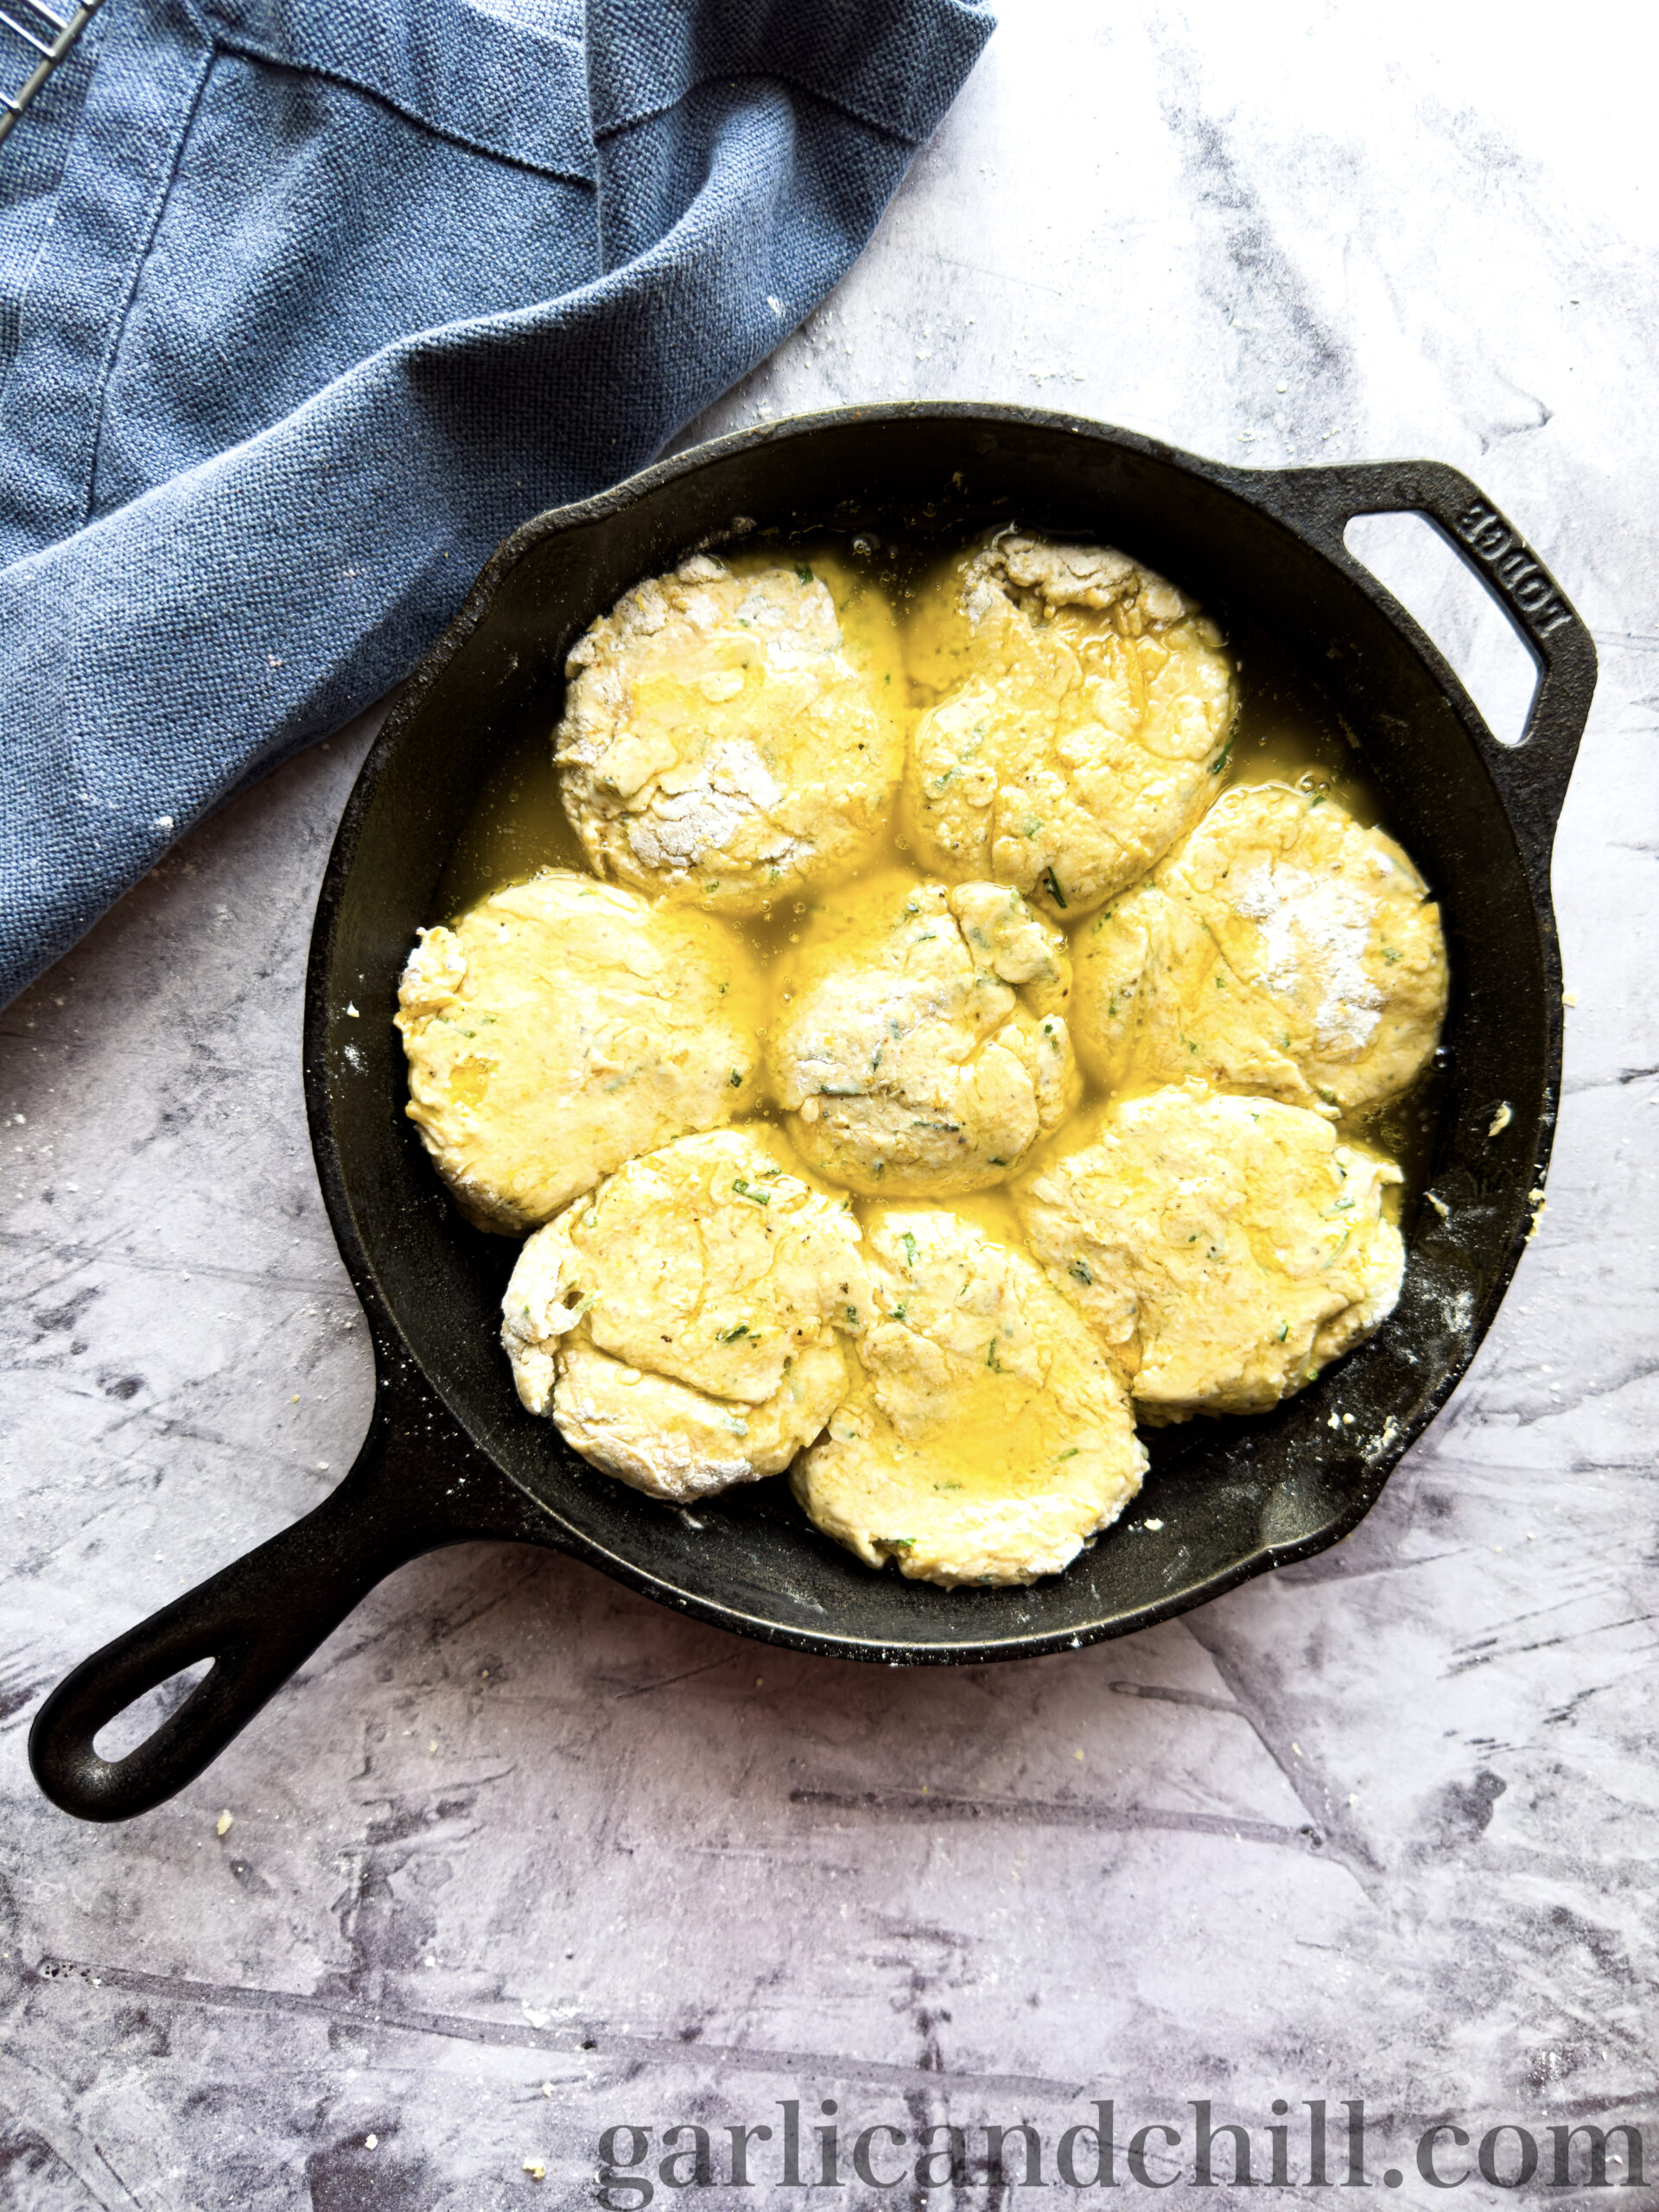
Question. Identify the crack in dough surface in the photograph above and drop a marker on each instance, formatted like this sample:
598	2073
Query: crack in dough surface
562	1026
985	1438
1282	949
1222	1249
729	735
1082	714
921	1046
684	1325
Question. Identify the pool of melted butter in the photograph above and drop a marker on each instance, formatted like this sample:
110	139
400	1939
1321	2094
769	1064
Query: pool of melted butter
1288	732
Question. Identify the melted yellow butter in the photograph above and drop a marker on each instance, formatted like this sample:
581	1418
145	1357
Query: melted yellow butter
469	1081
998	1440
991	1211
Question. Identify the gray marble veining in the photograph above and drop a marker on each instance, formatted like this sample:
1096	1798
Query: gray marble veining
519	1857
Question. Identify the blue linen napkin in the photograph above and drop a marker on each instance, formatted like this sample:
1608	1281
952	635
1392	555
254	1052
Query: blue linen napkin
305	303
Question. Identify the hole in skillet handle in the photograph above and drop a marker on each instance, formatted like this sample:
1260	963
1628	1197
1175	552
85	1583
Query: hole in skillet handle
251	1625
136	1723
1467	622
197	1629
1532	771
416	1486
256	1622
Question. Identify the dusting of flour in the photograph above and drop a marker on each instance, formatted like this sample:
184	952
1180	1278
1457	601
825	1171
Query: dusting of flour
683	829
1314	933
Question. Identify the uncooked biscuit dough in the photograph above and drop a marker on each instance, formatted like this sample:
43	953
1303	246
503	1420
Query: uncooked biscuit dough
560	1027
920	1047
728	736
1282	949
1083	712
1222	1249
684	1326
986	1438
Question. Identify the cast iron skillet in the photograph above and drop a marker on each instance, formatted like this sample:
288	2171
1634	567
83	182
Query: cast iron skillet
451	1456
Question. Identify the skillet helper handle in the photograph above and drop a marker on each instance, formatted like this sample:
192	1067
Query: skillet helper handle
1532	774
257	1621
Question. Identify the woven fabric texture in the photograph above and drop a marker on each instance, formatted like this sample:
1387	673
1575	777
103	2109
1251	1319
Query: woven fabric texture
304	304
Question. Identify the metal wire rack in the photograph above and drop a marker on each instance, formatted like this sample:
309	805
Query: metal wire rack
52	37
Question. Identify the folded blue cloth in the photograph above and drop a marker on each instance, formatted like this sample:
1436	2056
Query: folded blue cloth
305	303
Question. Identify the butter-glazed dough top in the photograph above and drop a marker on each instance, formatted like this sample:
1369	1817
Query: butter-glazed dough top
918	1044
986	1437
683	1324
1082	710
727	738
1281	948
562	1026
1222	1249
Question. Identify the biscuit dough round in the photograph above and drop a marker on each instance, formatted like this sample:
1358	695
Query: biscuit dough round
1283	949
684	1325
985	1438
920	1045
1083	712
728	736
1222	1249
559	1027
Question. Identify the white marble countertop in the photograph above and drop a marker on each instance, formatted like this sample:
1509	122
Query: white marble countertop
520	1856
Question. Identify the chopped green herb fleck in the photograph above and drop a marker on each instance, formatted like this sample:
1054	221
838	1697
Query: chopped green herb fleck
1080	1269
1054	890
1071	1454
738	1329
755	1197
737	1078
909	1243
991	1359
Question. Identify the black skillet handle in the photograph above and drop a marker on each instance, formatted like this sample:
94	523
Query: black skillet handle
416	1485
1532	774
